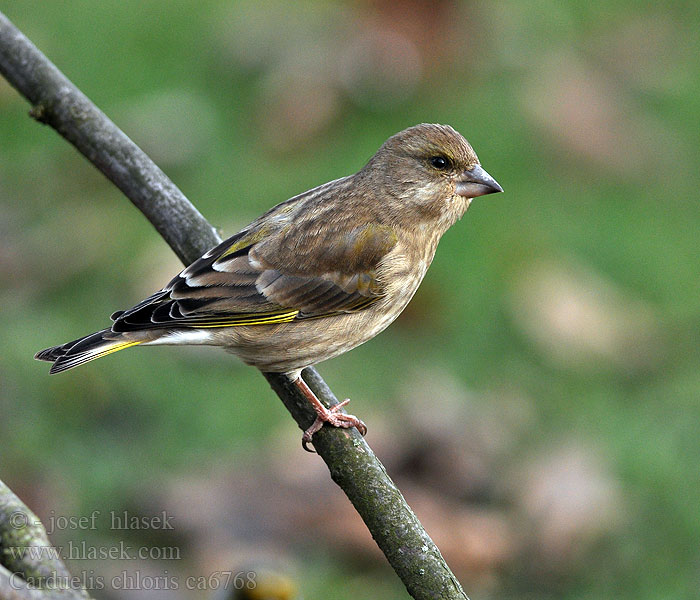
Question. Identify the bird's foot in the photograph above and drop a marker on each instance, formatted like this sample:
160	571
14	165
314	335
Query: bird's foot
333	417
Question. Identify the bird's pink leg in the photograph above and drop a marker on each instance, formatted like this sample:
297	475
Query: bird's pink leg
332	415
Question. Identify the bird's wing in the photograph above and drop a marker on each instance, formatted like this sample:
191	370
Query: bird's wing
251	279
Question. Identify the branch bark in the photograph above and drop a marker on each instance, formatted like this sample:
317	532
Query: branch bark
29	567
352	464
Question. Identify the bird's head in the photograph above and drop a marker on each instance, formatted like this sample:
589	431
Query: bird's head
431	170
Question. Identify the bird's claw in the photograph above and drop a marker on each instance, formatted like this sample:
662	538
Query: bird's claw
335	418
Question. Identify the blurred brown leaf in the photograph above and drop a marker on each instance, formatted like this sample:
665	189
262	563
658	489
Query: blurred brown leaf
578	318
568	499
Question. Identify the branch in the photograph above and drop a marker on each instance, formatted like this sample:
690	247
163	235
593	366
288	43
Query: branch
352	464
58	103
29	566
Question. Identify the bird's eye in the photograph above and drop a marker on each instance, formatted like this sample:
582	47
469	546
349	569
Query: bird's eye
440	162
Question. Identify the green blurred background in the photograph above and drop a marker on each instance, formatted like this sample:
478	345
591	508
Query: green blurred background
537	402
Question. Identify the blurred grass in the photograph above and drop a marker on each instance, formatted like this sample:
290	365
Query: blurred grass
593	136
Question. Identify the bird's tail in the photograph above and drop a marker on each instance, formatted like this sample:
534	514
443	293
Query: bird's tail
82	350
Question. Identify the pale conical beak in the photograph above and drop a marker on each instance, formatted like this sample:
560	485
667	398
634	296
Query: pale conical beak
476	182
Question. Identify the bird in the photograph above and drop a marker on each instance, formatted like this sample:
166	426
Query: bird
314	276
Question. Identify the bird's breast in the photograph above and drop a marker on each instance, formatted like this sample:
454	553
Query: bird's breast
402	271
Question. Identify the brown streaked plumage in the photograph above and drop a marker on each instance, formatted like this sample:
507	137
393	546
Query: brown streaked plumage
316	275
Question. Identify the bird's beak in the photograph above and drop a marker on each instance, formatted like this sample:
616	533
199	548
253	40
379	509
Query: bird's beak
476	182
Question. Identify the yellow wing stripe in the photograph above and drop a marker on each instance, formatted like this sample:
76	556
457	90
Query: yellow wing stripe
252	320
274	318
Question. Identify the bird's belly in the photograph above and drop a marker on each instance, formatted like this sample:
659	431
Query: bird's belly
290	346
287	347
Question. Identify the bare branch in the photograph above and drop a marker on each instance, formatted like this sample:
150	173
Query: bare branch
29	565
58	103
352	464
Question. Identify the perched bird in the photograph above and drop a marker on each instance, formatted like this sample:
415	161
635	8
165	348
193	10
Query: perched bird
316	275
